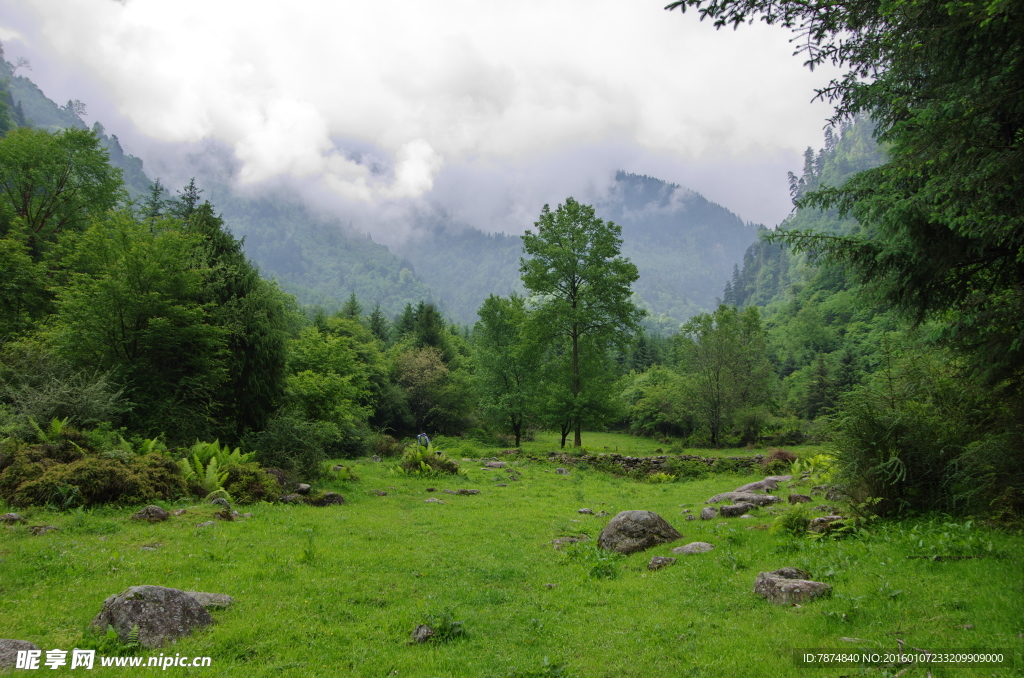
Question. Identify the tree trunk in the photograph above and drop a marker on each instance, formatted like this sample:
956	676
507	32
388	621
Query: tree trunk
577	442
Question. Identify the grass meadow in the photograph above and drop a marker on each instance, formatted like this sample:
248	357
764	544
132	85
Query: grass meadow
338	590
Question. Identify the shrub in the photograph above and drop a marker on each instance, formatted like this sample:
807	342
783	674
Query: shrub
383	445
794	521
426	462
658	478
692	469
292	444
247	483
96	480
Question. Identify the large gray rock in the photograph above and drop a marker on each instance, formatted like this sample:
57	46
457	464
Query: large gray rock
789	585
632	531
9	651
708	513
779	479
765	485
212	601
694	547
161	614
798	499
744	497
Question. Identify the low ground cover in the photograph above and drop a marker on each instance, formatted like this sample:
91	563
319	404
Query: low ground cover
338	590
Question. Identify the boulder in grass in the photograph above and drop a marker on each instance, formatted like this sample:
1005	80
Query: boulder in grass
766	485
222	502
328	499
9	650
632	531
779	479
302	488
658	562
291	499
708	513
11	519
422	634
744	497
160	614
496	464
562	471
467	492
586	511
788	586
735	510
151	514
694	548
798	499
212	601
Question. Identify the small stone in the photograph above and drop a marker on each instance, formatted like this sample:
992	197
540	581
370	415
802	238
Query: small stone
513	478
208	523
431	489
291	499
798	499
562	471
586	511
379	493
466	492
302	488
432	500
564	541
708	513
151	514
447	491
502	485
221	501
179	512
422	634
9	650
236	514
10	519
694	548
495	464
550	586
337	467
224	514
746	515
691	517
146	548
789	586
38	530
375	457
658	562
686	511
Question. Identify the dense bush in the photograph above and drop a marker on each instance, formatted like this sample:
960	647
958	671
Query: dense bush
294	445
90	481
247	483
382	445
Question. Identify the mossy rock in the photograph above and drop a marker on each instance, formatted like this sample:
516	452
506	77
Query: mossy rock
249	482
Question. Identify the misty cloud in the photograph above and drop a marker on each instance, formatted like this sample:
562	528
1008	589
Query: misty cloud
391	102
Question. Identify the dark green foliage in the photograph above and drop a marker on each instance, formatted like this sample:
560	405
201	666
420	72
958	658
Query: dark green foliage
39	386
247	483
91	480
294	445
691	469
382	445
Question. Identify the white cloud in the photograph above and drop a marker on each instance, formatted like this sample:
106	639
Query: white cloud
294	88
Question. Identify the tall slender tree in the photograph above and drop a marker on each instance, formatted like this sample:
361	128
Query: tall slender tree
581	287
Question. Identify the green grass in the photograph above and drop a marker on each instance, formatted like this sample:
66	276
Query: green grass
618	443
337	591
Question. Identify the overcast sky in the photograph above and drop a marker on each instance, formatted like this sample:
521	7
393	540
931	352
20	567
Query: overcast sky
489	109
